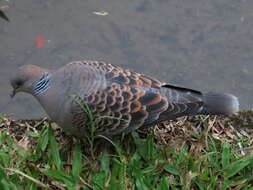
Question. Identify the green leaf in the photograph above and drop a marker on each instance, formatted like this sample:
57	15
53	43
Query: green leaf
225	155
139	182
3	136
105	162
237	166
140	143
114	184
115	144
182	155
171	169
32	134
43	140
54	150
60	175
77	160
122	174
164	183
5	159
149	147
237	182
98	180
2	117
225	184
149	169
201	184
7	185
197	163
22	152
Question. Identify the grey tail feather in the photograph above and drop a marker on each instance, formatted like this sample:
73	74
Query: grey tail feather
219	104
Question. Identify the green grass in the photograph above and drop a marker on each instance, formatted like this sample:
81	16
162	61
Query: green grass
194	153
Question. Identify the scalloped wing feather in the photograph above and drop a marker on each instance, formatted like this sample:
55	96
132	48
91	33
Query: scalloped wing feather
131	100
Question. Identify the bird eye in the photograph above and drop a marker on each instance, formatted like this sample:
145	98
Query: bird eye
19	83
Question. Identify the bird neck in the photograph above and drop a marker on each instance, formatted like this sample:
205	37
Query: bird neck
43	84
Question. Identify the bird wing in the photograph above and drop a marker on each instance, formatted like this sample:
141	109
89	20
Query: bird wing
129	101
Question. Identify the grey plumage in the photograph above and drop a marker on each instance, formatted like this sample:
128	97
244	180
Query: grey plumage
134	99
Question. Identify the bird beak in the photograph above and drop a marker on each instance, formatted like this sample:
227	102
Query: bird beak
13	93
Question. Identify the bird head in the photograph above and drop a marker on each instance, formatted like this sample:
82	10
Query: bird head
24	79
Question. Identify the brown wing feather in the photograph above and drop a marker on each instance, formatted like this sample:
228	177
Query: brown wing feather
124	76
128	97
133	99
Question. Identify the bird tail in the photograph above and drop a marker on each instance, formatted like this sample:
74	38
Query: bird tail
219	104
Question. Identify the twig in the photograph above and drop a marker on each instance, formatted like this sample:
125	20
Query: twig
85	183
28	177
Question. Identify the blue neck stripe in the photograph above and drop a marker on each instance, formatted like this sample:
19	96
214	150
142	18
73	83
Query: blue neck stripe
43	84
40	84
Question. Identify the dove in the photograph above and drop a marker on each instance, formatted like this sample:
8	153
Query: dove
118	99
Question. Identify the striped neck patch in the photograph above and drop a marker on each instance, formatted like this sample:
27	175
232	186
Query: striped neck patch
43	84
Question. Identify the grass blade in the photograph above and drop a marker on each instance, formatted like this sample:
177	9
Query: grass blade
171	169
54	150
164	183
237	166
43	140
225	155
61	176
105	162
77	160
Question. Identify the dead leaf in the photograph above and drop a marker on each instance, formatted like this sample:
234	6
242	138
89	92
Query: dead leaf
3	16
100	13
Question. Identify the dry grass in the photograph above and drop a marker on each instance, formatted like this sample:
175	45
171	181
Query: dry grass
191	153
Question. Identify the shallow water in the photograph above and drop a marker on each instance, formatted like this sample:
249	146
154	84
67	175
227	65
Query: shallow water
205	45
